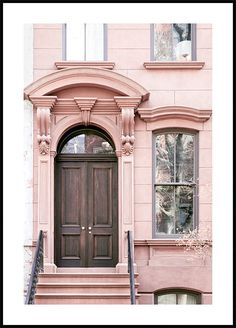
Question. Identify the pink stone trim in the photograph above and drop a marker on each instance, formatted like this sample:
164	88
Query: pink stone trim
97	120
96	64
177	112
174	65
69	77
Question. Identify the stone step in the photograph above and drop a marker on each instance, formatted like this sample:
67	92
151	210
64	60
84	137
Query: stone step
84	277
80	288
86	270
65	298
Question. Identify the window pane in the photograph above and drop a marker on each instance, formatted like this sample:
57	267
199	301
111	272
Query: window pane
187	299
74	41
172	42
183	208
163	49
165	144
166	299
87	144
94	42
165	209
184	158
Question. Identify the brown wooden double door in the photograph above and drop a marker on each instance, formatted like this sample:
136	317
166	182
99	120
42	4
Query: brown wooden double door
86	212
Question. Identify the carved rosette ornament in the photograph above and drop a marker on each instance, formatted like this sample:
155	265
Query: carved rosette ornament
44	105
127	106
85	105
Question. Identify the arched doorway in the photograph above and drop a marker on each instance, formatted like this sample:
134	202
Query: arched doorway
86	200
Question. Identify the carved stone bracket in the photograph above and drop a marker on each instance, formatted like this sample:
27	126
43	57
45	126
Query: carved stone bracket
44	105
127	106
85	105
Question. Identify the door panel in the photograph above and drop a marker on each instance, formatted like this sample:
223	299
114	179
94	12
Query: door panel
86	213
70	214
102	214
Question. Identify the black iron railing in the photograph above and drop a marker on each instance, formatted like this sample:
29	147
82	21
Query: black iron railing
37	267
131	267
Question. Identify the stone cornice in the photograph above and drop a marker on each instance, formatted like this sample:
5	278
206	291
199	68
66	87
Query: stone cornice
80	76
43	101
97	64
127	102
180	112
174	65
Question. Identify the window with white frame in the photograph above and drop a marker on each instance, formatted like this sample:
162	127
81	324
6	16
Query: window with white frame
84	42
173	42
174	183
181	297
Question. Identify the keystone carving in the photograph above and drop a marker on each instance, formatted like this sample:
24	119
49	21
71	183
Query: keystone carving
85	105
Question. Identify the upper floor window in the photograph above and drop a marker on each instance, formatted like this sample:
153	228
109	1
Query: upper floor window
174	183
177	297
84	42
173	42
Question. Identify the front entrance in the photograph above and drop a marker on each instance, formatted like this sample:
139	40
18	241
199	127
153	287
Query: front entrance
86	203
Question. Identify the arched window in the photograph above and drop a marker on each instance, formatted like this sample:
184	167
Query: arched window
177	297
174	182
86	141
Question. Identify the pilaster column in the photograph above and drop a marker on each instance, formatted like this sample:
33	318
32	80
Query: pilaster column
43	106
85	104
127	105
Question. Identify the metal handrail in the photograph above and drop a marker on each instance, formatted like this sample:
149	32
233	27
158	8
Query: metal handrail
131	267
37	267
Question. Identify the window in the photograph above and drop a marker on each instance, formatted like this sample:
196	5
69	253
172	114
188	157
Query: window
177	297
87	141
174	183
84	41
173	42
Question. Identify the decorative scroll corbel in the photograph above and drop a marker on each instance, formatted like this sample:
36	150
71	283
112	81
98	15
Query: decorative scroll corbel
127	106
43	120
85	105
127	138
44	104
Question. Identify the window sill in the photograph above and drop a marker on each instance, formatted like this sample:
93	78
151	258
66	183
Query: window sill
96	64
155	242
159	242
174	65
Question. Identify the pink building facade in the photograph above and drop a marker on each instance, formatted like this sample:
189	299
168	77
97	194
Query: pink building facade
143	93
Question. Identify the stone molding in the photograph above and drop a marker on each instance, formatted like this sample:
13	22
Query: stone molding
85	105
177	112
174	65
